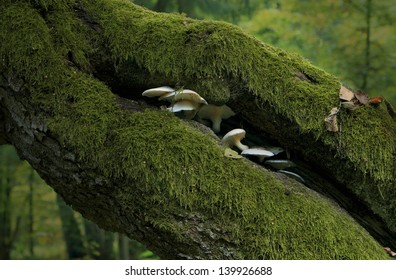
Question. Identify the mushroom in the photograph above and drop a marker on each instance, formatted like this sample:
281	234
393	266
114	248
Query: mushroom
183	105
188	94
189	100
234	137
215	114
275	150
158	92
280	163
259	152
168	96
292	175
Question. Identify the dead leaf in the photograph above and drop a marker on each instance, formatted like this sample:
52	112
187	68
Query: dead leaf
331	120
362	97
349	105
230	153
376	100
390	252
346	94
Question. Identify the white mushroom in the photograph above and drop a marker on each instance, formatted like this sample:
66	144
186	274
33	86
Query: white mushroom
279	163
259	152
275	150
183	105
215	114
168	96
188	99
188	94
292	175
158	92
234	137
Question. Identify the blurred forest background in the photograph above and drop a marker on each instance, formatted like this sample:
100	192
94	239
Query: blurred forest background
353	39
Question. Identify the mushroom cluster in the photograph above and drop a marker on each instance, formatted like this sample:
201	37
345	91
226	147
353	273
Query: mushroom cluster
234	137
184	101
190	104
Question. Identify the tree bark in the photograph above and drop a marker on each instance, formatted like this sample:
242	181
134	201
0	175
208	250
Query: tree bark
192	203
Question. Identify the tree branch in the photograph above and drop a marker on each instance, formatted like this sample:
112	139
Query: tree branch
164	181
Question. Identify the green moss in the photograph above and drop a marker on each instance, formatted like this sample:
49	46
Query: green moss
51	4
29	50
157	154
202	55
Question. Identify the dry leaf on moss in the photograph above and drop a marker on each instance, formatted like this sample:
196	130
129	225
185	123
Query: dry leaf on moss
362	97
349	105
230	153
331	120
376	100
346	94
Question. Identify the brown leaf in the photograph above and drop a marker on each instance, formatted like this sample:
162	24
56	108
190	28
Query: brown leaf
331	120
349	105
362	97
346	94
376	100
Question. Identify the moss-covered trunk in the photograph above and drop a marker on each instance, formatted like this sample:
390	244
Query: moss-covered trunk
164	181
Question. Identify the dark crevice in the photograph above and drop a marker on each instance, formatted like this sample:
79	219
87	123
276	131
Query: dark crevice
305	77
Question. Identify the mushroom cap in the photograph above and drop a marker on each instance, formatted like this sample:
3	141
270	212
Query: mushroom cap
237	133
183	105
280	163
293	175
207	111
188	94
260	152
234	137
211	111
168	96
215	114
156	92
274	150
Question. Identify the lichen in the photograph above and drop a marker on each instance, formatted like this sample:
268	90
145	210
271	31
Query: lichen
173	164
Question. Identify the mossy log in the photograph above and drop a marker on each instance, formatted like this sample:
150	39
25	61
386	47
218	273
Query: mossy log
72	74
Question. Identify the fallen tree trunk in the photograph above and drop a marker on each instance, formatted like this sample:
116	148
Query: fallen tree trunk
132	168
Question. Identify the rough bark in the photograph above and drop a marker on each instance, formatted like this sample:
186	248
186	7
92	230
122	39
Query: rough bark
92	194
176	216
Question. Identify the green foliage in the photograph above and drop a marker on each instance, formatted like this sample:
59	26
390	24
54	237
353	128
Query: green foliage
333	34
229	10
45	241
173	164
